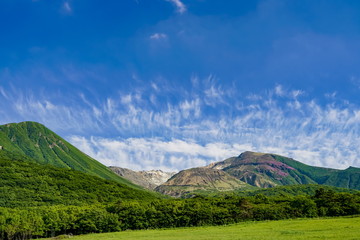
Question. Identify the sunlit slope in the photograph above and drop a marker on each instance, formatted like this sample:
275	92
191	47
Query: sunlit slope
348	178
41	145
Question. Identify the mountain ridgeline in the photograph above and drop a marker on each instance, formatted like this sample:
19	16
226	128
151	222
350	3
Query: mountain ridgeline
263	171
34	142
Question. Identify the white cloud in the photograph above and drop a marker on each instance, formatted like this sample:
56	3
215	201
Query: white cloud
154	153
126	99
297	93
355	80
279	90
214	96
331	95
3	93
190	108
66	7
180	6
158	36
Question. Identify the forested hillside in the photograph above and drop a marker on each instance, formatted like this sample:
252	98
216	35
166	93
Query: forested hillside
25	183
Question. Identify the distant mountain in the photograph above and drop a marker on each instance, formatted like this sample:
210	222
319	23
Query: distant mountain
264	170
36	143
270	170
147	179
200	180
26	184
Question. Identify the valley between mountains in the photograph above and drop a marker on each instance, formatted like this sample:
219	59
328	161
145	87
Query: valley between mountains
48	187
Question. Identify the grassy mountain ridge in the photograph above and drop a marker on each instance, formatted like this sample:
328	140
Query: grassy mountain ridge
348	178
39	144
317	174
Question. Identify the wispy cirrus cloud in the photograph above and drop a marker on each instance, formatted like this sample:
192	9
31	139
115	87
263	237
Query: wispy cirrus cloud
158	36
180	6
66	7
174	133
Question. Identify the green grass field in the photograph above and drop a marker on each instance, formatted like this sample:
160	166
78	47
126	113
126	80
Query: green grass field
344	228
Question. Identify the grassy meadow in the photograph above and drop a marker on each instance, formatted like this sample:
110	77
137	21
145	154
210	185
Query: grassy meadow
300	229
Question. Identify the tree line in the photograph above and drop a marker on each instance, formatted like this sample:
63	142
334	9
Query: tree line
49	221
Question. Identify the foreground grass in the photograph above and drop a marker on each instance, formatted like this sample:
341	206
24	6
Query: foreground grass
301	229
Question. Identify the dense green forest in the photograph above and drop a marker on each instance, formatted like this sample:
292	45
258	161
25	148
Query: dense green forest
24	183
46	221
289	190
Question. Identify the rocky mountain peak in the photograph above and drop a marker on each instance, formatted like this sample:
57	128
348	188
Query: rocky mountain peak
147	179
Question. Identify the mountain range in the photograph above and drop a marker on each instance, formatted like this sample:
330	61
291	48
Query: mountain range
27	144
261	170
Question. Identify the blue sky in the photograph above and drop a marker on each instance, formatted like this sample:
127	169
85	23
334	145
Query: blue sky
173	84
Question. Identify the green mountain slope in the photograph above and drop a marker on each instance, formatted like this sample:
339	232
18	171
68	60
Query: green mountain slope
317	174
25	183
348	178
41	145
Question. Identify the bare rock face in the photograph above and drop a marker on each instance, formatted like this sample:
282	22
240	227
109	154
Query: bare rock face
156	177
147	179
